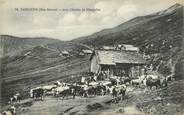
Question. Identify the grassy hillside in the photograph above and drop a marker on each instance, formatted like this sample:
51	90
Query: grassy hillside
11	45
41	64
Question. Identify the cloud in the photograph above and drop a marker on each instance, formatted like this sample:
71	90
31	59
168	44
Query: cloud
40	22
107	7
68	19
84	18
127	11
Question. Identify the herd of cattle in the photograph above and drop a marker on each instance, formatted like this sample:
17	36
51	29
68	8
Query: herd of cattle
113	86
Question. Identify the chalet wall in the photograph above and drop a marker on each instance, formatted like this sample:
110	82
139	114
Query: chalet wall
95	67
136	70
126	70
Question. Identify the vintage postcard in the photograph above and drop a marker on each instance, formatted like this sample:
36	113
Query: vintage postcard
91	57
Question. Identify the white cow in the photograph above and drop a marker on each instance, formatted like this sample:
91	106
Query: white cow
105	83
94	83
31	91
154	77
136	82
7	113
49	87
60	89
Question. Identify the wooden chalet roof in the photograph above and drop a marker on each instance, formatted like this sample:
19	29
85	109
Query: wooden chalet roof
113	57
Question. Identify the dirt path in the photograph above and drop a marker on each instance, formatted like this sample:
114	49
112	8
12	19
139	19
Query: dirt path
55	106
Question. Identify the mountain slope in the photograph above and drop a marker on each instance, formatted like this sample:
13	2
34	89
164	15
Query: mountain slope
11	45
161	25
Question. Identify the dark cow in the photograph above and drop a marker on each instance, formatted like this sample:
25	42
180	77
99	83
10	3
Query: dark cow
164	82
169	77
153	82
126	80
77	90
122	92
38	93
113	82
114	95
66	93
92	91
99	90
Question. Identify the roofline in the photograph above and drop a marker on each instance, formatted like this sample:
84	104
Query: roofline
116	50
126	63
94	52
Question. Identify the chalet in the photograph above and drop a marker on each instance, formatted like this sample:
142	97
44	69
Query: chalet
65	53
117	63
81	54
87	52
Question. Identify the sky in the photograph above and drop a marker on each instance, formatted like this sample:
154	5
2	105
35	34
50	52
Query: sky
67	25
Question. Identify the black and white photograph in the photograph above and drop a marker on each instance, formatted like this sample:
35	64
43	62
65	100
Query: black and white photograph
91	57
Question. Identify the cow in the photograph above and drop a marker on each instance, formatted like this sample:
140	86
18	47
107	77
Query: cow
155	77
49	88
153	82
77	89
15	98
126	80
10	111
88	90
114	94
37	93
122	91
66	93
164	82
169	77
58	91
109	90
118	90
100	90
85	91
92	91
136	82
69	91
